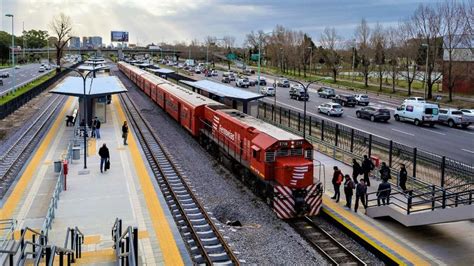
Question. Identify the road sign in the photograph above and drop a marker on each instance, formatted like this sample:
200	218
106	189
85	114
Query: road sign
254	57
231	56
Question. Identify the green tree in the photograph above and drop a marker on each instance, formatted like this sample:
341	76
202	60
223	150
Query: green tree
34	38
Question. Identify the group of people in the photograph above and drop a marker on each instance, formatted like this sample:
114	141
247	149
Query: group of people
104	151
360	186
95	128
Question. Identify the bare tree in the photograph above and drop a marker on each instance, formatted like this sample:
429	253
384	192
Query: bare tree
408	52
378	46
363	36
62	27
393	54
330	42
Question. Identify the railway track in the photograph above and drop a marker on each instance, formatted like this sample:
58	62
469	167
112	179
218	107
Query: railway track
327	245
204	241
14	158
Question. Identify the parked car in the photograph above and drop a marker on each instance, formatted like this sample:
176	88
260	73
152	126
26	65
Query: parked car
268	91
373	113
345	100
242	83
325	92
41	69
417	112
283	83
4	75
454	118
362	99
298	93
331	109
225	80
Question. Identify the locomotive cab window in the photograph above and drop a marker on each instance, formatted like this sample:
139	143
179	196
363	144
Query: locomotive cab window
256	152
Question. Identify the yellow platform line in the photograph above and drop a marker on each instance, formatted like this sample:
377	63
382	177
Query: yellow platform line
91	147
171	254
363	226
12	201
92	239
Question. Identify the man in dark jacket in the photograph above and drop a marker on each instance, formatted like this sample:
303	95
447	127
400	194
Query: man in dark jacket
337	178
97	127
383	193
403	176
348	190
356	170
385	172
104	157
124	132
361	194
367	166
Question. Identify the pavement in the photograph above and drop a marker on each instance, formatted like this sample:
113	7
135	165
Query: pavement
23	74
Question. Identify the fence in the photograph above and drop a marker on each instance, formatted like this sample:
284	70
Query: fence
11	106
345	143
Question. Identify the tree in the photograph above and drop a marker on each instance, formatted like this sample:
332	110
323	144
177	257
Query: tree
35	38
408	52
393	53
378	45
330	41
362	36
62	28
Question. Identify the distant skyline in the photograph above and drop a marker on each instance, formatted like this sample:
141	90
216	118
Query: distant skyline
158	21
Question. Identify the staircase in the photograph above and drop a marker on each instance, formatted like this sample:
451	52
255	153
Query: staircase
427	205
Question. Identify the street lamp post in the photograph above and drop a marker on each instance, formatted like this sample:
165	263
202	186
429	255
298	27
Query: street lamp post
13	51
310	58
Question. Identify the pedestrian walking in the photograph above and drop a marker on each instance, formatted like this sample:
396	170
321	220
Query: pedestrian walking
383	193
93	128
385	172
367	166
104	158
348	190
337	178
125	132
356	170
402	178
69	120
361	194
97	128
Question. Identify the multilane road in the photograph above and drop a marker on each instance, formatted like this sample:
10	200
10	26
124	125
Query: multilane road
23	74
454	143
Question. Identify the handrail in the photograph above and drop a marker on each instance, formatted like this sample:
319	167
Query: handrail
125	244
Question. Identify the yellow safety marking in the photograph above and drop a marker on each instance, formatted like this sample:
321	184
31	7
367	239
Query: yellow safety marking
12	201
47	162
95	257
92	239
375	233
91	147
143	234
169	248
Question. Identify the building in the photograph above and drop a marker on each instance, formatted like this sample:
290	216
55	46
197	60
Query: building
75	42
85	42
462	66
95	41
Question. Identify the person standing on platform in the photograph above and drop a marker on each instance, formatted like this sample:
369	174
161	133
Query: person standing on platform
104	158
97	128
383	193
125	132
348	190
367	166
403	176
337	178
361	194
385	172
356	170
93	128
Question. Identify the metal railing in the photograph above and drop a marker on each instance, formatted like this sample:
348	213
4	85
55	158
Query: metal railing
425	168
7	232
125	244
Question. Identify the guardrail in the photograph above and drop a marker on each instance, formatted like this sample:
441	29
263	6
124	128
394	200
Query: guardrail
13	89
341	141
125	244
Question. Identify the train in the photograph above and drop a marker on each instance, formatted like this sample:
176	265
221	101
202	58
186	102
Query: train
275	164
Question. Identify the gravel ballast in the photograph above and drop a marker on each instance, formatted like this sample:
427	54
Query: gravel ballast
262	238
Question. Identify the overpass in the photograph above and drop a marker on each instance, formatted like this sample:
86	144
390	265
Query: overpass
52	51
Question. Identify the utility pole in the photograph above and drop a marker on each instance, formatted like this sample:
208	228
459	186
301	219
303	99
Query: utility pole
24	41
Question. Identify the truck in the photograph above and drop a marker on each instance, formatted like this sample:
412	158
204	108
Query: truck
454	118
298	93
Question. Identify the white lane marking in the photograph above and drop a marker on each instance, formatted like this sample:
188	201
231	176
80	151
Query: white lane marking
470	133
466	150
403	132
433	131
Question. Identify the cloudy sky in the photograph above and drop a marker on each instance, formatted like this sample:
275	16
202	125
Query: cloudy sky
184	20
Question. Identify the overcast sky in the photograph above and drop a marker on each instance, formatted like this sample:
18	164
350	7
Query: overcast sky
183	20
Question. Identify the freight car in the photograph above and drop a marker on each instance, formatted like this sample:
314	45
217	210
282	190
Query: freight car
277	165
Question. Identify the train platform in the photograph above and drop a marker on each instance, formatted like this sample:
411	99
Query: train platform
93	200
438	244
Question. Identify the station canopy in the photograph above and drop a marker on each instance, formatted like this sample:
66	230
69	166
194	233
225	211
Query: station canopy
92	67
223	91
161	70
96	87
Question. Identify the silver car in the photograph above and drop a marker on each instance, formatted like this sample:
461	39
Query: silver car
331	109
362	99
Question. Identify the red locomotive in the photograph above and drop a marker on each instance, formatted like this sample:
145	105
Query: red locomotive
275	164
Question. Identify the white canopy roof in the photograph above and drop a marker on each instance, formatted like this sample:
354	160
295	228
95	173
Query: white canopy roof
90	67
100	86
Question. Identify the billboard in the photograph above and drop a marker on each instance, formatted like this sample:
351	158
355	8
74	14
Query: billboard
119	36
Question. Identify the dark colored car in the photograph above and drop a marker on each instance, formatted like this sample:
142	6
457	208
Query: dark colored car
373	113
345	100
4	75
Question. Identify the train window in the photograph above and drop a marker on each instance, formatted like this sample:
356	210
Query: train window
256	152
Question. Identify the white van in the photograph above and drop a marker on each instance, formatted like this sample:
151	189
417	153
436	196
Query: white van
417	112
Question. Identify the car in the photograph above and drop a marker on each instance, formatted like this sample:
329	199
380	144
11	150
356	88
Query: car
326	92
283	83
47	67
197	70
17	67
232	77
331	109
1	82
225	80
41	69
374	113
345	100
469	112
263	81
268	91
417	112
214	73
455	117
415	99
362	99
4	75
298	93
242	83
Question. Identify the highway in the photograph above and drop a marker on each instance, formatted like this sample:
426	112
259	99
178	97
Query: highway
25	73
455	143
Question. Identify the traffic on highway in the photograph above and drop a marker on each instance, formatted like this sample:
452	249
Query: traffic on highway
23	74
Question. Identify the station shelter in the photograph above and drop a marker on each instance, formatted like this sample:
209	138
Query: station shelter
161	72
97	92
237	98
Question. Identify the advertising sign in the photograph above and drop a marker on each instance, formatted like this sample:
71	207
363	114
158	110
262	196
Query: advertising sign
119	36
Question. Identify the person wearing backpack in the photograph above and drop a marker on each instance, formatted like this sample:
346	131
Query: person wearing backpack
367	166
337	178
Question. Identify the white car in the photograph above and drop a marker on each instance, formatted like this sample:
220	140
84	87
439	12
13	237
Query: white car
331	109
418	112
268	91
41	69
362	99
469	112
415	99
17	67
214	73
